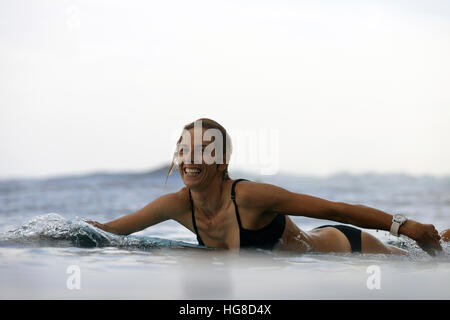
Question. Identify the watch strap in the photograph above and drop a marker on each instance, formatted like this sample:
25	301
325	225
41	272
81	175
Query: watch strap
394	228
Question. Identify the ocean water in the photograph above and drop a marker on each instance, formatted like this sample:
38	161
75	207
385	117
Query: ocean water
47	251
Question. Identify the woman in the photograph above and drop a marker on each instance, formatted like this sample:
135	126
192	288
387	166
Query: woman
233	214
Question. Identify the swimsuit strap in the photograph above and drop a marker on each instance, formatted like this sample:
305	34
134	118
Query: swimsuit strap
200	241
233	197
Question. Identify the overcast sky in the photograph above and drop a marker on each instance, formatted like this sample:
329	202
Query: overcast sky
351	86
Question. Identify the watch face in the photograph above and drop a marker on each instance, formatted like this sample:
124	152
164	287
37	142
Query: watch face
400	218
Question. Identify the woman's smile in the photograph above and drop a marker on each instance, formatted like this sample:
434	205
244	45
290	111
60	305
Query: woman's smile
192	171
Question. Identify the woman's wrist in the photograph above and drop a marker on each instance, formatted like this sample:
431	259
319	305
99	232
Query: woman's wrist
102	226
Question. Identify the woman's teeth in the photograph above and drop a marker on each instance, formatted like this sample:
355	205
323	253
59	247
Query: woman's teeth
192	172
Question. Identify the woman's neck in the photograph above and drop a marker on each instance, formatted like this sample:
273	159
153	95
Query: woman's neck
210	198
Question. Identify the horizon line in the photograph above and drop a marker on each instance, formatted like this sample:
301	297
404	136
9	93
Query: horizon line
248	172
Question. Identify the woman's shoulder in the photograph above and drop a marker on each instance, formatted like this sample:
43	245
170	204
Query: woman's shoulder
253	193
248	192
176	202
181	196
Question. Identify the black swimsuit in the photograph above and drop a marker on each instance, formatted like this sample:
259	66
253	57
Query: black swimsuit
265	238
353	235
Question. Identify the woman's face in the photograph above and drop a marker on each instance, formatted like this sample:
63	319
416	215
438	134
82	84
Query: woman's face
196	160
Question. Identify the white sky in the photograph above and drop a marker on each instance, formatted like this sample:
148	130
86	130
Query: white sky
351	86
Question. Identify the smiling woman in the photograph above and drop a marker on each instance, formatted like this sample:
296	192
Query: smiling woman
220	146
257	214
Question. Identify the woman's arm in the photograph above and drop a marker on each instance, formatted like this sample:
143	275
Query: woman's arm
166	207
275	199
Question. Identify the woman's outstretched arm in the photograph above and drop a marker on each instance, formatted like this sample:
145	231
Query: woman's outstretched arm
163	208
273	198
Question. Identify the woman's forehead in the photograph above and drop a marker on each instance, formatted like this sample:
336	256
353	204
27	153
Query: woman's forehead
188	137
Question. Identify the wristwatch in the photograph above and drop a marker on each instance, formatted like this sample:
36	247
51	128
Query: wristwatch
397	221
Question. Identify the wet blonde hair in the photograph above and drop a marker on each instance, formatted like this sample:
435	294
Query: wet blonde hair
226	142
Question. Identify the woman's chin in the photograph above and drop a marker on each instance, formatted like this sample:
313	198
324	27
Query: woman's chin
191	181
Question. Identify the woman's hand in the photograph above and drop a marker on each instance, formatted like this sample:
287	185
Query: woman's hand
426	235
445	235
101	226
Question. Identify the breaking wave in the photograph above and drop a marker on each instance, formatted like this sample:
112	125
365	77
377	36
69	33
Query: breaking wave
54	230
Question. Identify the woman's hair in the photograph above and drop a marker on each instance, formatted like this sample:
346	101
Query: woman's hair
226	142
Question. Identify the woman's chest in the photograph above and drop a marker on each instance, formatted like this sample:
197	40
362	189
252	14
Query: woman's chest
221	229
